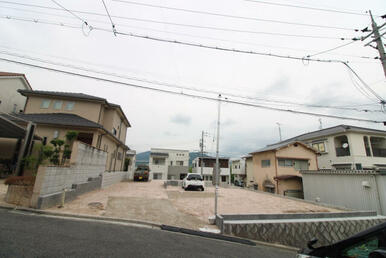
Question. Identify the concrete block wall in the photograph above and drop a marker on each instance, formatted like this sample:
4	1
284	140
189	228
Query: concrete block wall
295	230
110	178
86	163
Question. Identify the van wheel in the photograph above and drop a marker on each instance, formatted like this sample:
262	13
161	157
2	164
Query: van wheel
202	188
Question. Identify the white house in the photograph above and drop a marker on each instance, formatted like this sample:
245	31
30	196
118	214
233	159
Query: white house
238	169
347	147
208	165
11	101
168	163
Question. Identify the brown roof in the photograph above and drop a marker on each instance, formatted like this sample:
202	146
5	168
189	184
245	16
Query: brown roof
5	74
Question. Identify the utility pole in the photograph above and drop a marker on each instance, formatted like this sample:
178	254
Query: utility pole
378	39
320	124
278	124
202	153
217	158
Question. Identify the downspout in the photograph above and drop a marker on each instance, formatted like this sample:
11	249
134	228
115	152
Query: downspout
100	114
277	181
379	204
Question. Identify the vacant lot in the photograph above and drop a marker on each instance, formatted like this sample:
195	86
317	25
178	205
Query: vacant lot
150	201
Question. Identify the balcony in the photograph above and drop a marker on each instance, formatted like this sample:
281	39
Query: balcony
341	152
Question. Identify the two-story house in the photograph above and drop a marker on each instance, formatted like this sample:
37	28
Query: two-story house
347	147
168	164
99	123
208	167
275	168
238	169
10	99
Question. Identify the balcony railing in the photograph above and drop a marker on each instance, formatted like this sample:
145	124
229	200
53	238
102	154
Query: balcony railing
341	152
379	152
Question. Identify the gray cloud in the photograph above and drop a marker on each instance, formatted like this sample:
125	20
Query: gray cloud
181	119
278	87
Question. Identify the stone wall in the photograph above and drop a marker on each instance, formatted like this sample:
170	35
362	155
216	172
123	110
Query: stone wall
110	178
297	229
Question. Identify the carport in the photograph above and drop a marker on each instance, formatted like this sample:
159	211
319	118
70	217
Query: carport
9	131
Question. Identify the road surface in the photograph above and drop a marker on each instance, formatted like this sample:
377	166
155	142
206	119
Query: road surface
24	234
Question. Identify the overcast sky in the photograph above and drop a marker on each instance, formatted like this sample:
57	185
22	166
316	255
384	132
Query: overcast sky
170	121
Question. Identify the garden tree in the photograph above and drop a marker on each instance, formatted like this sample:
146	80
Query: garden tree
70	138
57	143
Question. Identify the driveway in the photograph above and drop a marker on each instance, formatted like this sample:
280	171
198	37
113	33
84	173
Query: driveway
150	201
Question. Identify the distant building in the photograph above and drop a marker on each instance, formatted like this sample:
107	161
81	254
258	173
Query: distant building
208	165
169	164
10	99
238	169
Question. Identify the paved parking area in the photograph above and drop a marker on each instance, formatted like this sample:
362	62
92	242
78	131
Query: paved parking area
150	201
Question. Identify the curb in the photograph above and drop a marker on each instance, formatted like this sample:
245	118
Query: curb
208	235
71	215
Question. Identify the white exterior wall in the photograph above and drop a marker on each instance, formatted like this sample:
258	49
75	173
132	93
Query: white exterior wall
9	95
357	151
238	166
208	171
173	156
359	190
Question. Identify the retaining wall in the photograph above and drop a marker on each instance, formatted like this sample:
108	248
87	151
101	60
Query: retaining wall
297	229
110	178
84	174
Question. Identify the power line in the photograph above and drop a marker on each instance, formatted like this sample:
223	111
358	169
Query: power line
307	7
72	13
276	102
186	34
331	49
186	43
190	25
234	16
236	51
111	20
190	95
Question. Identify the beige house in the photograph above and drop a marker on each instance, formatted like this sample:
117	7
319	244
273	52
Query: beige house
100	124
10	100
276	167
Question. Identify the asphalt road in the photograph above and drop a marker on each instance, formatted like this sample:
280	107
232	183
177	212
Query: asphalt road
31	235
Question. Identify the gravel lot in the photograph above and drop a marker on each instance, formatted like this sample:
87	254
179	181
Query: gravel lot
150	201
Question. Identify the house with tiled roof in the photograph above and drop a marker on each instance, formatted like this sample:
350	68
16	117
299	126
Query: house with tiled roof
10	100
99	123
276	168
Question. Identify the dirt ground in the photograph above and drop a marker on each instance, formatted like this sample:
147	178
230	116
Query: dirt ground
150	201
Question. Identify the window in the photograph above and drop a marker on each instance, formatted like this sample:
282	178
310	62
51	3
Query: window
223	178
70	105
367	146
159	161
45	103
265	163
300	164
114	131
171	163
119	155
180	163
319	146
362	249
58	104
56	134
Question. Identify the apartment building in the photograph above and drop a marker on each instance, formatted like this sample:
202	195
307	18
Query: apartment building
99	123
168	164
208	167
